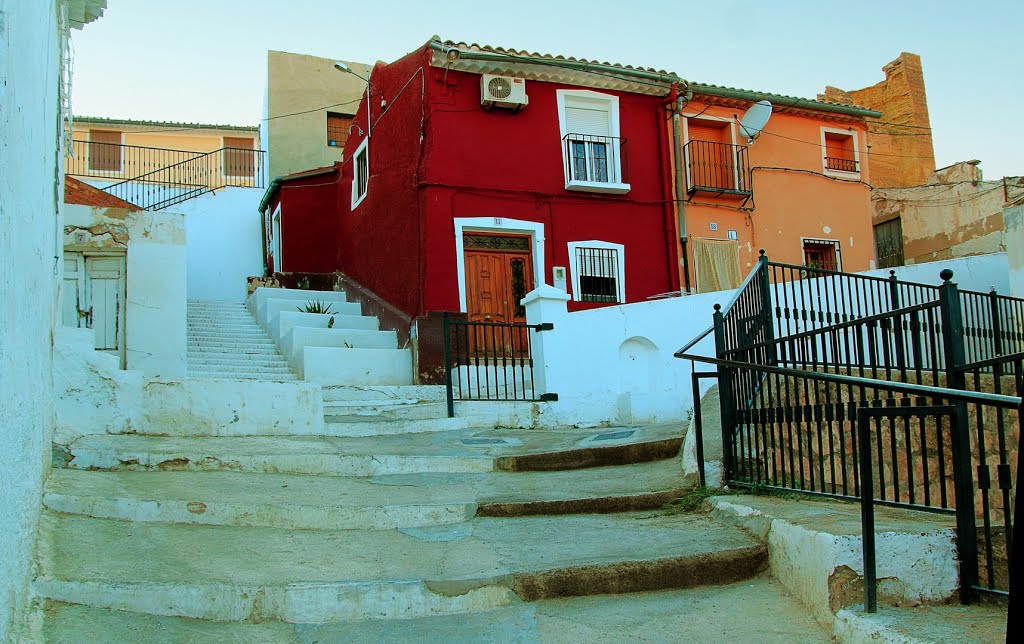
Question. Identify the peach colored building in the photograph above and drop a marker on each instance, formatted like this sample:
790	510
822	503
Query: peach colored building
156	161
800	190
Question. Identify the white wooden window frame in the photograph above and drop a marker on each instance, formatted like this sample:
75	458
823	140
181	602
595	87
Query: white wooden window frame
731	125
356	197
464	225
575	271
856	153
610	103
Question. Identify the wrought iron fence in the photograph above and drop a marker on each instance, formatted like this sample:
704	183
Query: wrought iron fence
929	379
156	178
490	361
717	167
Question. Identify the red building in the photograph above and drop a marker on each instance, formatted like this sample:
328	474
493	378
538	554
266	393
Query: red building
479	173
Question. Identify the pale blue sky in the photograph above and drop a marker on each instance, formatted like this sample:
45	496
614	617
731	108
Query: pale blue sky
205	60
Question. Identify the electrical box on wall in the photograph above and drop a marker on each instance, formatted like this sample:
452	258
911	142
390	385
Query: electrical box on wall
503	91
558	277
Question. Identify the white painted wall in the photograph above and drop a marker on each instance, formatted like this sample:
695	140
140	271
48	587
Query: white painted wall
1013	221
615	364
224	243
29	224
155	312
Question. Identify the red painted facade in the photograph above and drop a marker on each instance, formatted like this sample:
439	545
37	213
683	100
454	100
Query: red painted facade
478	163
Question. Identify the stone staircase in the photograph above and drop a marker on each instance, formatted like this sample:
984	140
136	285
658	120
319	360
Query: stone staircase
413	525
338	347
224	341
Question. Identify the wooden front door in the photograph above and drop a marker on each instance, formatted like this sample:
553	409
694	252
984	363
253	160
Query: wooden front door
499	274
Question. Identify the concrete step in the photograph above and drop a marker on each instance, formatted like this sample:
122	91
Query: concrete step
769	614
405	393
229	375
378	425
230	345
309	576
240	369
345	503
262	294
457	450
214	352
241	361
246	335
334	366
298	338
281	324
412	410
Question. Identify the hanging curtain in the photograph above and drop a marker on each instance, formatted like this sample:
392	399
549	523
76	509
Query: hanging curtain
717	264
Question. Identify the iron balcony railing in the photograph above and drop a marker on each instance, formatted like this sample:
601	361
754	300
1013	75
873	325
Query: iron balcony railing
720	168
595	159
156	178
840	164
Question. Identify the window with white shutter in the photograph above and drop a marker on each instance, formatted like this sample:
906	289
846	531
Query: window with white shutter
591	146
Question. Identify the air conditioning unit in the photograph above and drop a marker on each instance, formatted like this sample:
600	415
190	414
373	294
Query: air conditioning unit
503	91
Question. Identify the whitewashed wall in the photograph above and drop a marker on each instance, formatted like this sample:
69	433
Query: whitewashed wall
154	245
615	364
29	247
224	243
1013	220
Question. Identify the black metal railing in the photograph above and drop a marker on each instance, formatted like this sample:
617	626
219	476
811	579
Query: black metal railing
156	178
928	379
490	361
716	167
840	164
595	159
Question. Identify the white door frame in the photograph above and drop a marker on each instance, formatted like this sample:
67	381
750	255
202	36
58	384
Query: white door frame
533	229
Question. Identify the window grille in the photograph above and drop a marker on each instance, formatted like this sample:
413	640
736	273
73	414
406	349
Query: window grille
598	274
495	242
362	173
823	253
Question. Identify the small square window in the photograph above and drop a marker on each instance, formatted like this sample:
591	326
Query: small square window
238	160
597	271
839	150
337	130
823	253
105	150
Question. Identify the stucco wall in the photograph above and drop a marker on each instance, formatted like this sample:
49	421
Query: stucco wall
224	243
298	88
154	245
955	214
1013	218
28	286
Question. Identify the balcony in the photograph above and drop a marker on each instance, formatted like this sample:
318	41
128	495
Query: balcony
840	164
595	163
717	169
155	178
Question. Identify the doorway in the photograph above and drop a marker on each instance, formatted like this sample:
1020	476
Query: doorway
499	274
93	296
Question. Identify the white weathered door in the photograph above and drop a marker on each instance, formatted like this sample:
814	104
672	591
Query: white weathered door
104	295
73	307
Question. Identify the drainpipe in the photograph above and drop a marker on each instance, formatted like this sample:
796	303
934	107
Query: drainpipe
677	149
671	233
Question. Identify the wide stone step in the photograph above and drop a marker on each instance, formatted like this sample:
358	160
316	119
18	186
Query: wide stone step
458	450
769	614
228	334
343	503
402	393
229	375
214	351
360	425
413	410
255	360
242	369
307	576
229	345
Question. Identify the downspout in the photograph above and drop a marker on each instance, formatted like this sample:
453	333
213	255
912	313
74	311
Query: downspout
680	192
671	229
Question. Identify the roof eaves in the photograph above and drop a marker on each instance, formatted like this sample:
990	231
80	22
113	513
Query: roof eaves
781	100
275	184
168	124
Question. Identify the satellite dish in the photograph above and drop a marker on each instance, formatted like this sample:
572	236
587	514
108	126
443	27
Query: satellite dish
755	119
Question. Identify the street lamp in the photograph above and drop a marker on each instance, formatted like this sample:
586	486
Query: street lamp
343	67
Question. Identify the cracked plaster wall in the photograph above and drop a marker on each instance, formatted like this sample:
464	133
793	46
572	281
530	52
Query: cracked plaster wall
29	212
154	244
